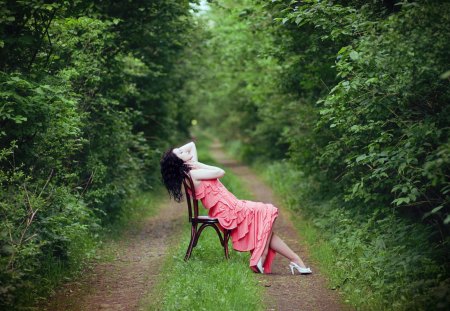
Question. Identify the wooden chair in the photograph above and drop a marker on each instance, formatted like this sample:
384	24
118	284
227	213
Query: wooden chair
204	221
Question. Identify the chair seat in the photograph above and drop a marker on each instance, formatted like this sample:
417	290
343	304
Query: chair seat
205	219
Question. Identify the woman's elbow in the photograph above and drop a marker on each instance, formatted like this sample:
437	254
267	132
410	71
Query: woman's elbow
221	172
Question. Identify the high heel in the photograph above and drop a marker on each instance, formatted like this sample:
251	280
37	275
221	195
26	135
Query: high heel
260	266
301	270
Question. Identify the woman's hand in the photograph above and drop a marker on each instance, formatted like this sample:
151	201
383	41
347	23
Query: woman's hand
193	164
191	149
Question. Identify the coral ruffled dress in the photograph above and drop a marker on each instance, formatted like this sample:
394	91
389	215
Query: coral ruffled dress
250	222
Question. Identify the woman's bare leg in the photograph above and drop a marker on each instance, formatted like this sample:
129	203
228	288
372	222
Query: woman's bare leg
278	245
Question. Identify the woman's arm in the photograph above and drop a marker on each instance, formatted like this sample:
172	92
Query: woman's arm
200	165
202	171
190	148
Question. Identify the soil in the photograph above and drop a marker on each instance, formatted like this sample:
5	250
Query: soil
122	283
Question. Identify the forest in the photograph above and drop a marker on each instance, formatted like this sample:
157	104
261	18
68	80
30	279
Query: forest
342	104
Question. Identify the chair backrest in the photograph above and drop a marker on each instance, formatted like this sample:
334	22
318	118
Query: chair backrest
192	202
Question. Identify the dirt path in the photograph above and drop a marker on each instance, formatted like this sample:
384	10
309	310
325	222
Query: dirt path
121	283
284	291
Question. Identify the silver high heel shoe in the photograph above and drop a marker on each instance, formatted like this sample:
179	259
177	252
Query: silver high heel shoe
301	270
260	266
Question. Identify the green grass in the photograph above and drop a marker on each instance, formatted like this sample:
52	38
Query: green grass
207	281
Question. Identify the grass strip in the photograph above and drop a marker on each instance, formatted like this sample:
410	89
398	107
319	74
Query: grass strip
207	281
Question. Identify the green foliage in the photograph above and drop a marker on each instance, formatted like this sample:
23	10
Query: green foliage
357	98
227	88
89	98
385	121
354	94
389	113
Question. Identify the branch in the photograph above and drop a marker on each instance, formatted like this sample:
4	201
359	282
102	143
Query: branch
27	226
41	38
46	183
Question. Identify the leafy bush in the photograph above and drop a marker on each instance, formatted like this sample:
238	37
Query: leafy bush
82	112
387	117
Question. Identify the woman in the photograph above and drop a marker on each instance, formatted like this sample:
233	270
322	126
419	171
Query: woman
250	222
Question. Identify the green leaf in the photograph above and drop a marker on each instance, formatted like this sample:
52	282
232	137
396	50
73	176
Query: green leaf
354	55
361	157
445	75
343	50
447	220
436	209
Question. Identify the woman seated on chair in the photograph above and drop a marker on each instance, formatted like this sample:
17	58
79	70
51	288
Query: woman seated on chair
250	222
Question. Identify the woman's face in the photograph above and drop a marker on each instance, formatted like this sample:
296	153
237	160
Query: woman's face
183	155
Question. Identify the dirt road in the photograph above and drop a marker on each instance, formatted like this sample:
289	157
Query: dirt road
120	284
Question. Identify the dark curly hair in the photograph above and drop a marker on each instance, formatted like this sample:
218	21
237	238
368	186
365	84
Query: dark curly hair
173	171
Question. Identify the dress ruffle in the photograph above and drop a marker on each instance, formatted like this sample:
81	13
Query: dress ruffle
250	222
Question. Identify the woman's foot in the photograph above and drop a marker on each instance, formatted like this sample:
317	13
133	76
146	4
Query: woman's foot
259	268
296	260
302	270
259	265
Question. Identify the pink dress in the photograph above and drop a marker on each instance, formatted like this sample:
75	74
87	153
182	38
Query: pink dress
250	222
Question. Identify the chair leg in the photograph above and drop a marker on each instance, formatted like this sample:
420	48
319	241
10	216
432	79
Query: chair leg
218	233
195	235
224	240
203	226
225	243
191	243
